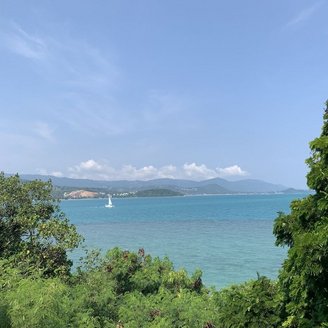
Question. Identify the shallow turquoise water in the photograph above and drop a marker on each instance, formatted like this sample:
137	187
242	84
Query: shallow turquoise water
229	237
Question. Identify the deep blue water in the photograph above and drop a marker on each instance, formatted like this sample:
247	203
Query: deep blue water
229	237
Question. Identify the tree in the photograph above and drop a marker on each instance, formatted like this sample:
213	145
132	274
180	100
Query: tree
252	304
304	276
38	303
34	233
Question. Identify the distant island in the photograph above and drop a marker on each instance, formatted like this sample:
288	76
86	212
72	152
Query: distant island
68	188
79	194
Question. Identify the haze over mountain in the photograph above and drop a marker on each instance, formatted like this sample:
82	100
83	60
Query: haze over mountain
211	186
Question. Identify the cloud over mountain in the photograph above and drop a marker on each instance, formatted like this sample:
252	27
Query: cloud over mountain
91	169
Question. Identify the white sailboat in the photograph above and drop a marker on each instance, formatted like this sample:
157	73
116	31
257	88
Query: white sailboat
110	204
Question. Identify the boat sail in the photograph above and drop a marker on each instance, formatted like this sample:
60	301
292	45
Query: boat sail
110	204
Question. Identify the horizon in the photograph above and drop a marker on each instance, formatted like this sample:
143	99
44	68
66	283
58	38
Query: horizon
143	91
154	179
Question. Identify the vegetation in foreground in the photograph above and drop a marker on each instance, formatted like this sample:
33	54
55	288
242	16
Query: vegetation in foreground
125	289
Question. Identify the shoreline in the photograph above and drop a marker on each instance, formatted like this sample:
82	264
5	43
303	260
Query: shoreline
197	195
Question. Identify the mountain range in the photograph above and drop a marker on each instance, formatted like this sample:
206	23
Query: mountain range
189	187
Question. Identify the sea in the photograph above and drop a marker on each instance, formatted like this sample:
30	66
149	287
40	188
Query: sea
228	237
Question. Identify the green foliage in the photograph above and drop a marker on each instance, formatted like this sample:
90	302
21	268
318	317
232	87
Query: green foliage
134	290
151	294
146	292
252	304
93	300
34	233
166	309
127	289
139	272
31	302
38	303
304	275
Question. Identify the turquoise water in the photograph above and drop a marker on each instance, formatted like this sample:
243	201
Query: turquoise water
229	237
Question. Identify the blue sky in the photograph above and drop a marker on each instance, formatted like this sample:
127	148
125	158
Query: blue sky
148	89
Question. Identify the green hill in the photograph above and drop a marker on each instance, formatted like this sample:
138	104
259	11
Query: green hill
157	193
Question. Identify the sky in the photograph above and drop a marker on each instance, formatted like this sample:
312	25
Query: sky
145	89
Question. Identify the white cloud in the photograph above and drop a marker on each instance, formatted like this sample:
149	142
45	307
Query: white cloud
194	171
92	169
201	171
90	165
57	174
52	173
130	172
168	171
233	170
24	44
305	14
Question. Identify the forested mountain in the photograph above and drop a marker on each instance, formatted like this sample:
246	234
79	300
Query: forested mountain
186	187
